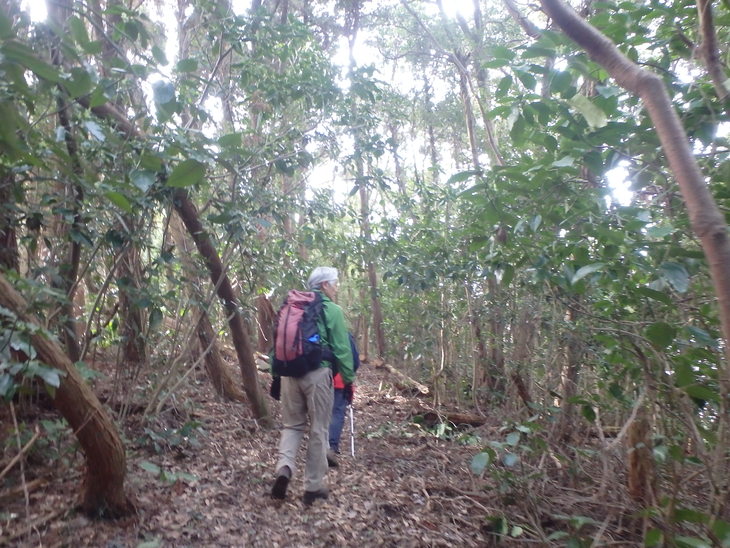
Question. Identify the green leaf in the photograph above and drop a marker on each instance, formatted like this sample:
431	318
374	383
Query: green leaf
80	82
584	271
51	376
186	174
565	161
187	65
479	462
513	438
659	232
120	200
462	176
230	140
143	179
501	52
527	79
661	334
722	531
516	531
701	337
150	162
653	294
588	412
676	275
150	467
159	55
690	515
503	86
23	55
560	82
78	30
510	459
7	385
702	393
692	542
595	117
684	375
6	27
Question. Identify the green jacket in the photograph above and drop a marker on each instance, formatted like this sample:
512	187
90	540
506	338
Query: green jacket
333	332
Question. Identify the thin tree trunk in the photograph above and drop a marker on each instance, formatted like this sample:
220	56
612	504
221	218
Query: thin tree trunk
9	259
573	352
377	313
223	383
68	266
134	349
266	316
225	291
708	49
496	379
524	334
103	489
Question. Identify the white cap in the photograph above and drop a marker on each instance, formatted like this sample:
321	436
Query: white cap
320	275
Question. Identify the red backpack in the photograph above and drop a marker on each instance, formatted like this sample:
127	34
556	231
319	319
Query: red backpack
297	344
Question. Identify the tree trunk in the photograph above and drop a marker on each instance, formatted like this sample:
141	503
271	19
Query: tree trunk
573	352
103	490
9	259
223	383
266	317
479	373
524	334
134	350
641	479
377	312
224	289
496	377
68	264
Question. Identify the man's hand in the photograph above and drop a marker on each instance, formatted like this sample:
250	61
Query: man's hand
275	390
349	392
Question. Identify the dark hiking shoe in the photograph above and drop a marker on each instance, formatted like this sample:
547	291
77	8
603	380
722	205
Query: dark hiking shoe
283	475
310	496
332	459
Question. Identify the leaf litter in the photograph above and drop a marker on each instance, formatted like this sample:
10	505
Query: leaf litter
208	485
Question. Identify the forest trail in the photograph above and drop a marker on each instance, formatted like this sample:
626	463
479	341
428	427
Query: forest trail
404	487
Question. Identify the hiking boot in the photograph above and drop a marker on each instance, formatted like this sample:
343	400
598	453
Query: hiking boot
283	475
332	459
310	496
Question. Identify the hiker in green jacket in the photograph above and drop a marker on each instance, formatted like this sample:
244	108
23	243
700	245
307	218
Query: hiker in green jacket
310	397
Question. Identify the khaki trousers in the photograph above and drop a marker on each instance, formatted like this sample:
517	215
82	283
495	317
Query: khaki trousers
307	398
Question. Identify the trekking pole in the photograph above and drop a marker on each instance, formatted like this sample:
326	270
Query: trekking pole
352	432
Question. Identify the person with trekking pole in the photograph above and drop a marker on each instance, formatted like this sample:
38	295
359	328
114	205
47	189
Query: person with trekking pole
305	356
342	400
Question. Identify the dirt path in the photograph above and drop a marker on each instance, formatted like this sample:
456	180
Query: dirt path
405	487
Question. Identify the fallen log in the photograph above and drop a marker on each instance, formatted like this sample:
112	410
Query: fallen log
401	380
432	417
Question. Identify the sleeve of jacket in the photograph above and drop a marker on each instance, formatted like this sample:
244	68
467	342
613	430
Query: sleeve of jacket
339	341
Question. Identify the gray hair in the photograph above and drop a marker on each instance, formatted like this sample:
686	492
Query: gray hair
320	275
